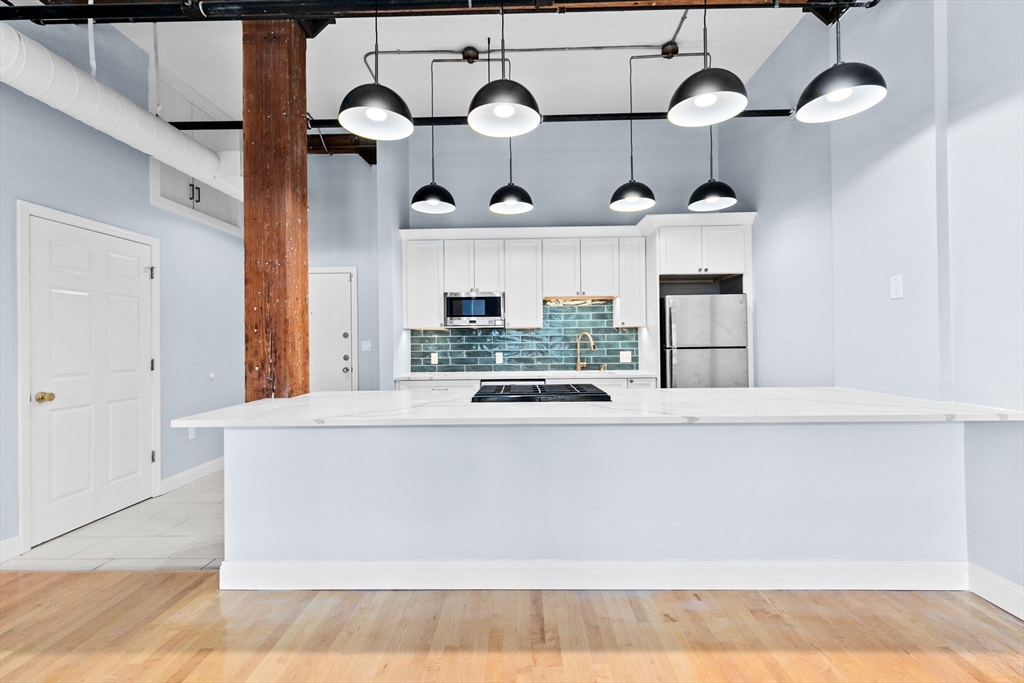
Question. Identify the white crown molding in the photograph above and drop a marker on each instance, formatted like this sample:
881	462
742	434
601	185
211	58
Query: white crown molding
593	575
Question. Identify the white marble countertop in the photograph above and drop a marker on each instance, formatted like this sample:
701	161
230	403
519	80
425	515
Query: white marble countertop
441	407
524	374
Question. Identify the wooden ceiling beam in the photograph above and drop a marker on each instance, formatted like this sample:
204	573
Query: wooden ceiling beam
335	143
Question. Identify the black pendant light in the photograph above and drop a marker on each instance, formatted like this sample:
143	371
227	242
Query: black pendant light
714	195
372	110
842	90
503	108
631	196
511	199
432	198
709	96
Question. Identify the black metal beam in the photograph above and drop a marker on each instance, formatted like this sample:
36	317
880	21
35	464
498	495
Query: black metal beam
237	10
461	120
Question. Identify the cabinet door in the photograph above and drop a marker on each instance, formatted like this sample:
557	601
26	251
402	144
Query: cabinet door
724	250
216	204
524	299
679	250
630	307
458	265
643	383
423	282
599	266
561	268
607	383
489	265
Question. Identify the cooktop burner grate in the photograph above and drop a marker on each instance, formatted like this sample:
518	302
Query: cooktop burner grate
539	392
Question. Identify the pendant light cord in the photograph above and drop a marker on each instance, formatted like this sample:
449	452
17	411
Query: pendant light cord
432	121
707	62
711	154
376	47
502	11
631	178
510	161
839	45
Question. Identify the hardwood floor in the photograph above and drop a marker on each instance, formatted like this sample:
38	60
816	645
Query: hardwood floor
176	626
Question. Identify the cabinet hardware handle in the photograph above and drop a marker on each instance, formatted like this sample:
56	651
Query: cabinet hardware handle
199	194
191	192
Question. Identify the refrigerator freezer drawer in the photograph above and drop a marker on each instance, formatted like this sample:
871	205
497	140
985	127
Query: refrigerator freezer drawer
696	322
704	368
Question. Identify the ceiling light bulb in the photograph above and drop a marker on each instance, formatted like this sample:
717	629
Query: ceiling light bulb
632	197
706	100
433	201
510	201
712	198
375	114
839	95
503	111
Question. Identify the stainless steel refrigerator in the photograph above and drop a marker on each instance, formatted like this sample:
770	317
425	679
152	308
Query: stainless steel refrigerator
704	341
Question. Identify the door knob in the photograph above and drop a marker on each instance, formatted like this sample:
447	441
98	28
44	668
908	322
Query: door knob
44	397
344	369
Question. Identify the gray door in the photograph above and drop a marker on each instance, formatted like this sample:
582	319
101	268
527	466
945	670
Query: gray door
705	320
705	368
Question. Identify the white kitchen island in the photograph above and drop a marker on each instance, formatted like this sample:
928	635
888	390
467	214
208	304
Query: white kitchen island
658	489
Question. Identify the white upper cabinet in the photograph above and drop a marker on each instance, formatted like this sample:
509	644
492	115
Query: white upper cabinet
724	250
474	266
524	301
692	250
630	308
423	270
562	268
599	266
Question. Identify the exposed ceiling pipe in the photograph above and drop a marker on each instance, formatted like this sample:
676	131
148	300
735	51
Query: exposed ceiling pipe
53	80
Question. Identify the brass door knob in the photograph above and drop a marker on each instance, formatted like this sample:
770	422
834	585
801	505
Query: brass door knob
45	397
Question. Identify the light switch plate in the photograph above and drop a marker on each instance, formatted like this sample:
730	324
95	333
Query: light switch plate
433	358
366	346
896	287
191	433
499	358
625	356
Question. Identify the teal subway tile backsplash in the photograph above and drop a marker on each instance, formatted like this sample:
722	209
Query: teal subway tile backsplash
553	347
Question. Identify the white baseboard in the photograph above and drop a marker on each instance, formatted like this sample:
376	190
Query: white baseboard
11	548
196	473
559	575
1002	593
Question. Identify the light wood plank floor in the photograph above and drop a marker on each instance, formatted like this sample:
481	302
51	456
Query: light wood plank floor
176	626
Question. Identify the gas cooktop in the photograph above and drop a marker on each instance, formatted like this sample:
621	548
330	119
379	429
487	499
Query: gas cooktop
515	393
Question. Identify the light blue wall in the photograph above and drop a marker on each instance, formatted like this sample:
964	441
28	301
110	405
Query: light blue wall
49	159
781	169
569	169
343	232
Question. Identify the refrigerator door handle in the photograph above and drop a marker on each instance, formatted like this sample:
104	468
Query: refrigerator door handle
669	368
670	333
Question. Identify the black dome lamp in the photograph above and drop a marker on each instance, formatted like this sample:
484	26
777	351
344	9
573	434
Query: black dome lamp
631	196
432	198
842	90
503	108
511	199
372	110
709	96
714	195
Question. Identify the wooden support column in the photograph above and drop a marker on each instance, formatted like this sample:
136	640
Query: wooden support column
276	252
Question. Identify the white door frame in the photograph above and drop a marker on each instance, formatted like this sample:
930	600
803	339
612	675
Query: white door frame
351	270
25	212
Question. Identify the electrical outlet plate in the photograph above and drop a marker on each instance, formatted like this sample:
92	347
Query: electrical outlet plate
433	358
625	356
366	346
499	358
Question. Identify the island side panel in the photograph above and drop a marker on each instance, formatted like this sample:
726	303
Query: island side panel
841	493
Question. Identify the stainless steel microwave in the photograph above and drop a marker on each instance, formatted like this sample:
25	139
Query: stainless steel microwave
474	309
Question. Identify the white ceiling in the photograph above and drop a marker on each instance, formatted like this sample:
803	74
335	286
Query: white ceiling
208	57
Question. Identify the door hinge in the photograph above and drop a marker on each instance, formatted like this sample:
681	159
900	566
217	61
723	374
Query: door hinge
152	364
152	456
152	272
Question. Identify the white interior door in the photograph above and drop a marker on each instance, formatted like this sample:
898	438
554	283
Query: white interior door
91	417
332	361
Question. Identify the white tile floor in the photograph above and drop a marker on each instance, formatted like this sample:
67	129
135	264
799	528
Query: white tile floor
183	529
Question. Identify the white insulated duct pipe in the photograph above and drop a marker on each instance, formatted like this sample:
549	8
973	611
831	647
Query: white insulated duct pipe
51	79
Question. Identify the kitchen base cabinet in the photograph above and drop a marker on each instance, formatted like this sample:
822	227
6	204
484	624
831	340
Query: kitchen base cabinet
437	385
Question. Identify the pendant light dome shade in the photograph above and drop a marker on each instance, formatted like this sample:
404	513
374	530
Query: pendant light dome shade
713	195
842	90
375	112
632	196
433	198
503	109
707	97
511	200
